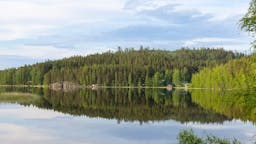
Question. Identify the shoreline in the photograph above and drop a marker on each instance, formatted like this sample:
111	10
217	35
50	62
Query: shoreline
99	87
116	87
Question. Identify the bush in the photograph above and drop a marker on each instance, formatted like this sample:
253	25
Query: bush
188	137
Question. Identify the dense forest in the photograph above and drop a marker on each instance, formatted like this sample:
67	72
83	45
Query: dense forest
128	67
236	74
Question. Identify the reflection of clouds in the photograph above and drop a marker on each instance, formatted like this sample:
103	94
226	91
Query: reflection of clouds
243	131
30	112
250	134
211	127
234	124
208	126
11	133
19	124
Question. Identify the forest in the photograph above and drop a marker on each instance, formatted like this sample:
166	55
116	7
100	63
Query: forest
125	67
236	74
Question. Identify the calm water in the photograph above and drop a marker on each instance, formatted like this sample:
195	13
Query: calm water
123	115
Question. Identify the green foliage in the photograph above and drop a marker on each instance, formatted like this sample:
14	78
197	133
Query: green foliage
156	79
176	77
188	137
248	22
236	74
127	67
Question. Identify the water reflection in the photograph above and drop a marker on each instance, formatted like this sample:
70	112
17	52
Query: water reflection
233	104
141	105
150	115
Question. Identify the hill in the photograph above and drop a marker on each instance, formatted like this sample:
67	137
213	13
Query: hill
127	67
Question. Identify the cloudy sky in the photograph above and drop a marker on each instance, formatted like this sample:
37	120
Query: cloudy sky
36	30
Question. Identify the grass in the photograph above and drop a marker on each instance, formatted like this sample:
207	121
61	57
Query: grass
189	137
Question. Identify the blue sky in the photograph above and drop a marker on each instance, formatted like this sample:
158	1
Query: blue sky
36	30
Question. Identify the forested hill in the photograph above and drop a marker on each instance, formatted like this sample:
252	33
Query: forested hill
236	74
125	67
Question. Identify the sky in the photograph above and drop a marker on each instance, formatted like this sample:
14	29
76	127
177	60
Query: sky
37	30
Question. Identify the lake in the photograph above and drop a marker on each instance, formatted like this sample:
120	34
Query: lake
35	115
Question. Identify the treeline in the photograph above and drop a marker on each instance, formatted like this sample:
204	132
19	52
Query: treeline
126	67
236	74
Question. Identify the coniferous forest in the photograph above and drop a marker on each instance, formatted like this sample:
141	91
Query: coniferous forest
128	67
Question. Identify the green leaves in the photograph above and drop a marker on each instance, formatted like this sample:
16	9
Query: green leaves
248	22
236	74
188	137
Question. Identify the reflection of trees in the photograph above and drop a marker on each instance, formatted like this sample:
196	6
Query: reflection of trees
127	105
233	104
130	105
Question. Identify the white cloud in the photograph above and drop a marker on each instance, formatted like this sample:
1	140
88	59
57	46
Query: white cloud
24	18
37	52
27	18
207	40
244	48
220	10
53	29
141	5
55	9
233	44
21	31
